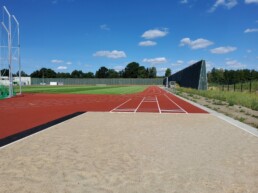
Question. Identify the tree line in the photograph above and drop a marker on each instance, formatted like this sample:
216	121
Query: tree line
132	70
221	76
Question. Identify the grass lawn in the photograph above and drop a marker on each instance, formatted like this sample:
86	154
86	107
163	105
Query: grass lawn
82	89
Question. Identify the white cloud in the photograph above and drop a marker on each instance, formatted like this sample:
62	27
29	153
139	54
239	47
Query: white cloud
235	64
209	65
223	50
190	62
119	68
161	71
155	60
225	3
155	33
104	27
69	63
251	30
184	1
147	43
55	61
115	54
195	44
178	63
249	51
251	1
61	67
87	65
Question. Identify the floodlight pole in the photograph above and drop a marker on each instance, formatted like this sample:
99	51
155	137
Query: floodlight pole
9	33
19	47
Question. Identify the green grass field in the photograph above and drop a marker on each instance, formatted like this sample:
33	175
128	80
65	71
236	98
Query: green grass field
82	89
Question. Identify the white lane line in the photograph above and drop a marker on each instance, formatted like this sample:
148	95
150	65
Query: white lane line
158	104
139	105
120	105
176	104
121	110
159	90
172	111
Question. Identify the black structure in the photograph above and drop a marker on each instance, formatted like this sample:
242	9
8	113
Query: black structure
193	76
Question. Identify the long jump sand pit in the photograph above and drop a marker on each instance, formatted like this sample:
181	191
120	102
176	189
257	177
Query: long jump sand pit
133	152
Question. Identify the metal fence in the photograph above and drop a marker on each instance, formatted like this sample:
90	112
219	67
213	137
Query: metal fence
96	81
250	86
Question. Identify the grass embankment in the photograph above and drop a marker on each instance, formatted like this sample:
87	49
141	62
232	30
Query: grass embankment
249	100
83	89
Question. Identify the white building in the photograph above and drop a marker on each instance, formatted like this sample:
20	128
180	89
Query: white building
4	80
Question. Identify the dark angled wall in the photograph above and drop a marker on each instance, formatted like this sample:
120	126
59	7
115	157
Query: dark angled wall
193	76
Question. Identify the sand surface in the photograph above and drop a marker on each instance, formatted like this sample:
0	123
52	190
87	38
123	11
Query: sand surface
126	152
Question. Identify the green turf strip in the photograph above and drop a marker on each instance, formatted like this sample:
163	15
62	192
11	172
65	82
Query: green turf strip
84	89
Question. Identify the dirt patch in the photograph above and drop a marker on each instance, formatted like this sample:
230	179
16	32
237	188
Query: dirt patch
237	112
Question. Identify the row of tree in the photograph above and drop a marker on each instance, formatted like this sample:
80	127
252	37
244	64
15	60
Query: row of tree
132	70
221	76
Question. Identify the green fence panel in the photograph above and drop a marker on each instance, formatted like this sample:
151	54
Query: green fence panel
96	81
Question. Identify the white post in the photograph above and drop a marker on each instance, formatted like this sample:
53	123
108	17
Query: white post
9	32
19	57
167	82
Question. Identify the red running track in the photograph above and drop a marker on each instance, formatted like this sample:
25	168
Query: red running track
31	110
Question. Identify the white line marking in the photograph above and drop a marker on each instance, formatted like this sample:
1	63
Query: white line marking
158	104
120	105
176	104
123	110
139	105
176	110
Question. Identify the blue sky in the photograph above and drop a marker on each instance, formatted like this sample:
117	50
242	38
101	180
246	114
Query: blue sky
65	35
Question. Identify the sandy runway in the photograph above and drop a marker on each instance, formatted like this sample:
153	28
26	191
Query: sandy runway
127	152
